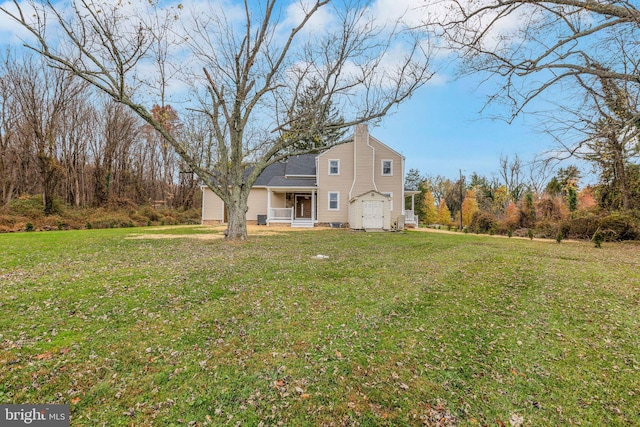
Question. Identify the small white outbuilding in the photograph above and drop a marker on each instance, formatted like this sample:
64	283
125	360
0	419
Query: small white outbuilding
370	211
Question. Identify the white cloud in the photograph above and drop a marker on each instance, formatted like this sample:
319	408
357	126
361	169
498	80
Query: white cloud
11	32
408	12
322	21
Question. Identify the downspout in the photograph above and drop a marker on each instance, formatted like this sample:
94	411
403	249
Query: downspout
404	203
402	170
355	170
317	189
202	188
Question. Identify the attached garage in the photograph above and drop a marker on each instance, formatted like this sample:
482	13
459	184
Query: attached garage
370	211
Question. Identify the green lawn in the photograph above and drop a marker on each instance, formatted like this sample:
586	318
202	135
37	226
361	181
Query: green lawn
392	329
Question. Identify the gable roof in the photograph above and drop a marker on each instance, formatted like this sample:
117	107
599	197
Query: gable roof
303	165
350	140
271	171
296	171
369	192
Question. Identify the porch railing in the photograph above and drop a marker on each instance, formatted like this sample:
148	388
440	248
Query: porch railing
410	217
280	215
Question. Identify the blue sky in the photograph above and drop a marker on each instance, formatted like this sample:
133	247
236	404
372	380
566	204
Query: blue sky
442	128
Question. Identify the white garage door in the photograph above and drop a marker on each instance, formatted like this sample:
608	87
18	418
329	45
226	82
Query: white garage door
372	214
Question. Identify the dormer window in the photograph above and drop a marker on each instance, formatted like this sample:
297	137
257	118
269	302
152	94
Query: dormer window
387	168
334	167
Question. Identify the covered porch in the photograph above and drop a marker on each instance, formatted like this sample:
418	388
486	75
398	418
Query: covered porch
410	218
294	206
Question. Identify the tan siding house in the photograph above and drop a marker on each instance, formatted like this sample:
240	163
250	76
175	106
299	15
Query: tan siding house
359	184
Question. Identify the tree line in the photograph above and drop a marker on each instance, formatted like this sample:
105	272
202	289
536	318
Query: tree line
573	64
246	77
240	69
533	199
62	139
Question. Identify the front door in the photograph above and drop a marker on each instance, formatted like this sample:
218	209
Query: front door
372	214
303	206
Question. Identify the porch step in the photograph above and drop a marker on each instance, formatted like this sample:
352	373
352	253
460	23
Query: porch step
302	222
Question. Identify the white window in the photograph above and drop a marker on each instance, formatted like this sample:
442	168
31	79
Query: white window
389	195
387	167
334	167
334	201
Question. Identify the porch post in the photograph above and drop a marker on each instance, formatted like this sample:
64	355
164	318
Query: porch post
313	206
413	198
268	205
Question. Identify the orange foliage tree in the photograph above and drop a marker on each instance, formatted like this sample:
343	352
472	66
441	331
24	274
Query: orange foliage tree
443	214
586	200
429	208
512	216
469	207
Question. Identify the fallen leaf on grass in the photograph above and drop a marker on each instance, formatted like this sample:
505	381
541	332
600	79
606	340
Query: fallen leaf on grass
75	400
44	356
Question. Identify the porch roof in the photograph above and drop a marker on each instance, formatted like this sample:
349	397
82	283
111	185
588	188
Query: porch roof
281	181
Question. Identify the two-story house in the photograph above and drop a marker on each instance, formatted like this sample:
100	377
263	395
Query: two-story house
359	184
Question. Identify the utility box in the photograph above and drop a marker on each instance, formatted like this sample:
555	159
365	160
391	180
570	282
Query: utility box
262	220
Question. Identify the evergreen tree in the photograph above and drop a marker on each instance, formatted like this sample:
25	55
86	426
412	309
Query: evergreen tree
415	181
572	198
314	122
528	214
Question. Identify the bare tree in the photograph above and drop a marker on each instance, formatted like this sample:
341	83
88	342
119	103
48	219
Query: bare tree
552	51
42	96
604	130
111	150
9	155
512	175
536	46
247	73
539	170
76	130
613	139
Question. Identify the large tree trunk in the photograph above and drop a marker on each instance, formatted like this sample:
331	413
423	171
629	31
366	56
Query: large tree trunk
49	175
101	186
620	175
236	216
